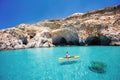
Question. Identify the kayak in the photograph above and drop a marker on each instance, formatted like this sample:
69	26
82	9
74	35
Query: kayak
70	58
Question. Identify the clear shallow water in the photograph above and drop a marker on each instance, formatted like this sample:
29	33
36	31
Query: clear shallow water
43	64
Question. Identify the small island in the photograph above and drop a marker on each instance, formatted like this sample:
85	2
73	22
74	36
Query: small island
99	27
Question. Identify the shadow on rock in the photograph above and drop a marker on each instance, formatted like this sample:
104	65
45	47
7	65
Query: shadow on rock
68	62
98	40
98	67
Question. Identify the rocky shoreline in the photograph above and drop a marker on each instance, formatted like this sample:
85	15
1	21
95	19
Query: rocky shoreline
100	27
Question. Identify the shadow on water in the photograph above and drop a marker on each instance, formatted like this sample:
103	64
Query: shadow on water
68	62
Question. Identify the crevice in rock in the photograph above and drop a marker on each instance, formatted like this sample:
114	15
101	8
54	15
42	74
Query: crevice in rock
23	39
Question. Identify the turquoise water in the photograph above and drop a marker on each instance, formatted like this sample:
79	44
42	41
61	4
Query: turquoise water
43	64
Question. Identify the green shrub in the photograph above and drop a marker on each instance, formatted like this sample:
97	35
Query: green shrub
22	29
31	31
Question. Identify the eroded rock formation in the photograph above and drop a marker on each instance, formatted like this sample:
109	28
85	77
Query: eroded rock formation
100	27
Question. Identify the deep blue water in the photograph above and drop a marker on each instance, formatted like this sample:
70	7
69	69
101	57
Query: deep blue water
43	63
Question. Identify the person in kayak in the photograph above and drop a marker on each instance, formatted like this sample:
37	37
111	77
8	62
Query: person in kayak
67	55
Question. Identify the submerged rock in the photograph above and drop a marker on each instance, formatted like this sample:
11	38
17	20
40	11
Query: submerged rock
98	67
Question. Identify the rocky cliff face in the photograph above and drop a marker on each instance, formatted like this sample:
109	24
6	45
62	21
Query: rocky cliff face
100	27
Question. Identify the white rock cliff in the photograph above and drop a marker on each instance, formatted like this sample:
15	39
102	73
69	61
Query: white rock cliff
100	27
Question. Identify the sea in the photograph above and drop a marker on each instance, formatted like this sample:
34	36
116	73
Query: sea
44	63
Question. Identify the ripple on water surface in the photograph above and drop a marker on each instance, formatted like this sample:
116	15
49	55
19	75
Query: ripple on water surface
43	63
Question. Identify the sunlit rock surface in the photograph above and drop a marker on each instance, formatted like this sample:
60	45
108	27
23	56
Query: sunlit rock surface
100	27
